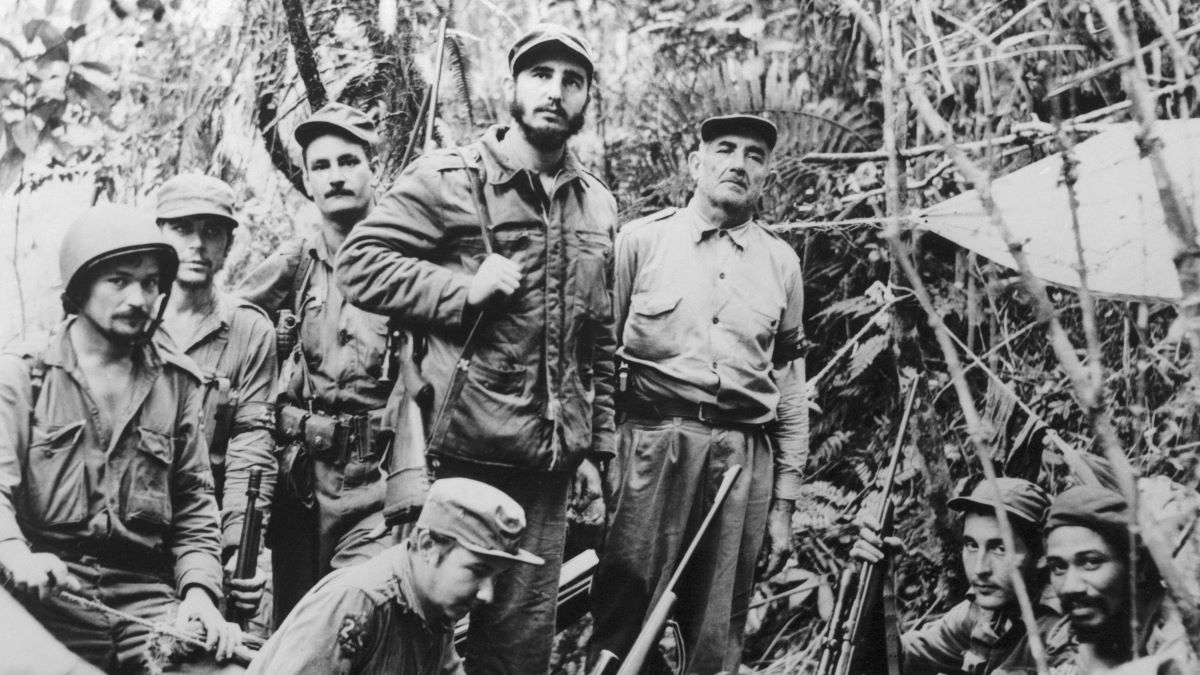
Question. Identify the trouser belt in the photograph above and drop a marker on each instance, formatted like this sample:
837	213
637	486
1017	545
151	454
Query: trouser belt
334	438
702	412
83	554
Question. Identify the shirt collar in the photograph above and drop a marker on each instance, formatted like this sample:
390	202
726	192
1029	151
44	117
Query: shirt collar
214	322
408	591
61	353
498	168
702	228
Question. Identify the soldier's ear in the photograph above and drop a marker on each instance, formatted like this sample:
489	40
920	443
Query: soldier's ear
509	86
694	164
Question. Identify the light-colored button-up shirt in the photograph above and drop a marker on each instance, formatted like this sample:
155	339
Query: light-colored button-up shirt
713	315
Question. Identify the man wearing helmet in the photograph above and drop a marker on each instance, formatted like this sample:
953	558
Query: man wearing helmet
105	489
233	343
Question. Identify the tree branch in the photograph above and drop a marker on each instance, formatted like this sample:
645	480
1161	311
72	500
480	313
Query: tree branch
306	60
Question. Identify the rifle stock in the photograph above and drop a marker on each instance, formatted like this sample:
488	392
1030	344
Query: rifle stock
248	546
845	645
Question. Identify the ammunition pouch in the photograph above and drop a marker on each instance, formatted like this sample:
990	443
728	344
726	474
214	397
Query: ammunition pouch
335	439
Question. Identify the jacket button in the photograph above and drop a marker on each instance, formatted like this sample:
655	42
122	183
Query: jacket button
716	320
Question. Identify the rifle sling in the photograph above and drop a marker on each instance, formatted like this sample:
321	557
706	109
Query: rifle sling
459	376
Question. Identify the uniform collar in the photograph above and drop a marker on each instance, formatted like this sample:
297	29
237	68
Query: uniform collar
408	590
216	321
702	228
498	168
61	353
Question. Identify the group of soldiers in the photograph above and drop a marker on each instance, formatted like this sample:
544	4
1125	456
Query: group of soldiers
553	358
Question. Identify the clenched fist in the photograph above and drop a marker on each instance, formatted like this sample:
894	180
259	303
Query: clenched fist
496	276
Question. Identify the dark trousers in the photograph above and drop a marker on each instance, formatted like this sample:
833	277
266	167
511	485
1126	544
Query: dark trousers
115	645
669	472
514	635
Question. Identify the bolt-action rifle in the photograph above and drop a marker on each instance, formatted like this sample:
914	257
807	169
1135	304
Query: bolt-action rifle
853	626
657	619
247	560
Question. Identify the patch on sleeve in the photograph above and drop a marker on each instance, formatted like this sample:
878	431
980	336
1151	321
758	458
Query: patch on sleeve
352	635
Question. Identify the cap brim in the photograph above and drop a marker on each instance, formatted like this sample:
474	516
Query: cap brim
973	504
549	44
186	212
307	132
521	556
741	125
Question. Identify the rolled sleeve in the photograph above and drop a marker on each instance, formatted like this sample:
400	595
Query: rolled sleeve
940	646
14	435
195	538
789	430
251	445
384	266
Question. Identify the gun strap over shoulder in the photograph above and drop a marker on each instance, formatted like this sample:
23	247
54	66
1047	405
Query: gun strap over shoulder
458	377
300	280
37	379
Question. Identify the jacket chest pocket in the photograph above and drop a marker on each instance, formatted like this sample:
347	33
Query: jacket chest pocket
55	478
147	494
593	264
652	326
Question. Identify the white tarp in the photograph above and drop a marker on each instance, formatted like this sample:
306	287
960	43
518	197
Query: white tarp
1127	247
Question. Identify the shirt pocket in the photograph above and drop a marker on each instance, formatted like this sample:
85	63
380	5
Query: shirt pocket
56	480
653	326
592	278
148	502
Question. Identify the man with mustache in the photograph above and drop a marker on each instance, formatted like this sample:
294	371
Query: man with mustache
498	254
105	488
984	633
329	506
396	613
233	342
709	306
1089	557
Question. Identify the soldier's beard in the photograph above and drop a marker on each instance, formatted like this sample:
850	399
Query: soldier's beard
546	139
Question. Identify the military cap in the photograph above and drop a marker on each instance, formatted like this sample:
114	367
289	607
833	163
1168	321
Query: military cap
193	194
340	119
544	37
481	518
721	125
1018	497
1093	507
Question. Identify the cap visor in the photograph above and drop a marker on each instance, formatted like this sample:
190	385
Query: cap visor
521	556
187	212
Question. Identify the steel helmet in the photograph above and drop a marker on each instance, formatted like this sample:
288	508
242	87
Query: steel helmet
104	232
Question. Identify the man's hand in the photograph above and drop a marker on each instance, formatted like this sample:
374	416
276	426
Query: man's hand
587	491
244	595
779	531
221	638
869	547
35	575
497	275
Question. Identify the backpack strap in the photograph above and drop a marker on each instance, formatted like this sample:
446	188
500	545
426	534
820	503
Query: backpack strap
300	280
37	379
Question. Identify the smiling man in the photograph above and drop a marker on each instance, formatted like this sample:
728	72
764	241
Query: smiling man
984	634
498	254
709	306
233	342
1089	556
395	614
328	512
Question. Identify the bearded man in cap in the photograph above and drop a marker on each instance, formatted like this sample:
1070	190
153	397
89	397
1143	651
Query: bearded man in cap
329	509
396	613
105	488
1089	557
709	305
983	633
233	343
498	254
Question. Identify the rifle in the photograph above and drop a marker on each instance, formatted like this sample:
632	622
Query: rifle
656	620
844	651
247	560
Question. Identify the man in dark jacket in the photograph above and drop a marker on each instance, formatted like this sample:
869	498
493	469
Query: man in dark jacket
517	319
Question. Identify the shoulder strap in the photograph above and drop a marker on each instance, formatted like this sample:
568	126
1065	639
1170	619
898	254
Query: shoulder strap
300	281
477	196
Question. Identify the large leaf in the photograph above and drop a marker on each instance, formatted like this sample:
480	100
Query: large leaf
11	48
10	167
25	135
52	39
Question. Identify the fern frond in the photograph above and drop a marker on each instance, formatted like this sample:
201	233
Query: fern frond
460	69
867	352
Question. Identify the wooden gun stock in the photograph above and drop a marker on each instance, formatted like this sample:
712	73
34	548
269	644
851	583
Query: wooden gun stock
248	546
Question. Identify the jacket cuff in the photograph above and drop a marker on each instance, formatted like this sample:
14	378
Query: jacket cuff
199	569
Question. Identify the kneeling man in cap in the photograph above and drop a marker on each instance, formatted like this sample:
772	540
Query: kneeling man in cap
396	612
